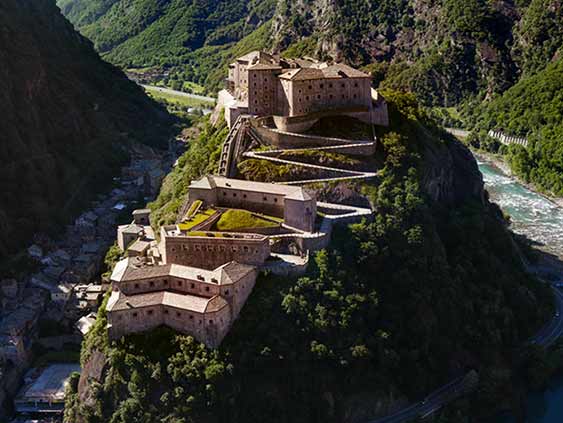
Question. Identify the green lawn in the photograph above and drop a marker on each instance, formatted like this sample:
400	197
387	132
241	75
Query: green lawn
232	220
176	99
196	220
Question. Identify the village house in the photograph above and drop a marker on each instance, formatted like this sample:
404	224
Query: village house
197	302
296	92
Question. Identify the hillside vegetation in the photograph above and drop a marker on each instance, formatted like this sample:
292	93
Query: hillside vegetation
444	51
364	325
532	108
67	119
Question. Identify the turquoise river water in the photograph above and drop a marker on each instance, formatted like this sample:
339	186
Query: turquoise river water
542	221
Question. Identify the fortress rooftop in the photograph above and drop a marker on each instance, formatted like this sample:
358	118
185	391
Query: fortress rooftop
132	269
118	301
212	182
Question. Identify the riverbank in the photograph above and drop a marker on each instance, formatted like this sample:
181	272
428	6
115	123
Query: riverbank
499	162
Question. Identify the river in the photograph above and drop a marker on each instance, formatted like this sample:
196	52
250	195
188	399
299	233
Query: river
542	221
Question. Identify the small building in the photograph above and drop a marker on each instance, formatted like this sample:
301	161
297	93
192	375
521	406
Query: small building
44	390
142	217
126	234
85	323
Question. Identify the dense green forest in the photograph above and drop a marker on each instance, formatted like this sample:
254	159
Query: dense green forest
532	108
361	326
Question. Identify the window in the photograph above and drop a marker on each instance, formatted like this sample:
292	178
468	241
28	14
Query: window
224	194
178	314
210	322
244	196
330	85
255	93
193	285
150	312
343	85
245	249
265	198
355	96
165	311
265	79
322	85
307	98
319	97
234	194
151	283
136	286
356	85
206	289
135	314
165	282
227	292
330	96
120	317
275	200
310	87
191	316
179	283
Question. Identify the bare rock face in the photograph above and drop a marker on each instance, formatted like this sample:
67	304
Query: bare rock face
451	175
67	117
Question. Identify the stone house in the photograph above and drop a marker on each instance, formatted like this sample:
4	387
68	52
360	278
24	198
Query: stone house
198	302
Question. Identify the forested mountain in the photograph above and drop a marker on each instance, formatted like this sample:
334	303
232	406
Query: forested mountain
65	115
430	289
444	51
533	108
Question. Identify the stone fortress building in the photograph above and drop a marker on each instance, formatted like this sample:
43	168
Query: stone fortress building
297	92
196	280
198	275
202	303
297	207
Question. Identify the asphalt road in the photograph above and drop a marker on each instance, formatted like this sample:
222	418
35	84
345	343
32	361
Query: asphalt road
545	337
554	329
180	93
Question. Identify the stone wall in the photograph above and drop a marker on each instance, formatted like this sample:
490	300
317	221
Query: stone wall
211	252
209	328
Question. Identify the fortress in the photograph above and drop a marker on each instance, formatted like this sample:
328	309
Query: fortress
193	301
198	274
297	92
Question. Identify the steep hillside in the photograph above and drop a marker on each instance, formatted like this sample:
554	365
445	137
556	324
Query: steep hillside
140	33
67	117
444	51
532	108
429	290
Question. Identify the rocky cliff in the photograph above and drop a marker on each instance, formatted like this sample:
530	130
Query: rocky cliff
67	118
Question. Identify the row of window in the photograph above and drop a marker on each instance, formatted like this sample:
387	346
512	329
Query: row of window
234	195
213	248
178	314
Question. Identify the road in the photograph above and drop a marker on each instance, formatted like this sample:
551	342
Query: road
554	329
458	132
180	93
457	387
